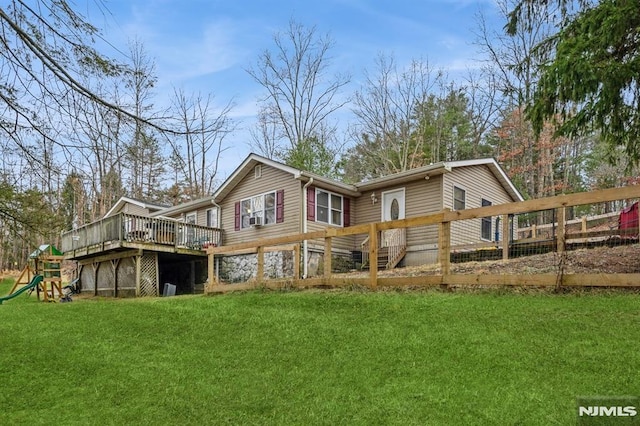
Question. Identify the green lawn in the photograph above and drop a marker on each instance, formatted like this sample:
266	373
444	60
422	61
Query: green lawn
316	358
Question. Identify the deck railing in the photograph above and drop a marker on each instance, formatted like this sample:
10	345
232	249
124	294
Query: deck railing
130	228
394	239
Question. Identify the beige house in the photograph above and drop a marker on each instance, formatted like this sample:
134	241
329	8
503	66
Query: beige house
263	198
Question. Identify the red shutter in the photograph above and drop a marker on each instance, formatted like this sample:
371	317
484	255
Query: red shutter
280	206
311	204
346	211
237	216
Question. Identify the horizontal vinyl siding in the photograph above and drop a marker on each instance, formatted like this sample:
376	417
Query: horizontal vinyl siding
421	198
478	182
337	243
272	179
201	215
135	210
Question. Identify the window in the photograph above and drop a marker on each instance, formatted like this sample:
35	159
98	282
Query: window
191	218
257	171
328	207
190	235
212	217
263	206
459	196
485	226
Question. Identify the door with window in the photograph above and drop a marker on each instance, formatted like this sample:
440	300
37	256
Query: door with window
392	209
190	234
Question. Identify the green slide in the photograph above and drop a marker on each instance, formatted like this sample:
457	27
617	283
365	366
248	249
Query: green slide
37	279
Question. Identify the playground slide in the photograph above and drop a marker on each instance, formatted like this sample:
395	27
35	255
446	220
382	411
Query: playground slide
37	279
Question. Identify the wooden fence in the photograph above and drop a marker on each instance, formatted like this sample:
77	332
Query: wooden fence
445	277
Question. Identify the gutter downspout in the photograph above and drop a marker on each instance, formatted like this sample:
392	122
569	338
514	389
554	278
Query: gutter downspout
305	249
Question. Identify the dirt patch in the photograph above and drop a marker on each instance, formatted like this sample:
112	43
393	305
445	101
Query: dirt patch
605	260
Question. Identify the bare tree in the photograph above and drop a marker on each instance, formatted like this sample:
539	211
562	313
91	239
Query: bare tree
46	56
485	103
196	150
97	149
50	84
515	66
144	153
387	107
511	57
264	137
300	97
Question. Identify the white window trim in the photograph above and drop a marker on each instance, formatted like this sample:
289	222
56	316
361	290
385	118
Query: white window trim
215	215
453	196
192	214
264	204
404	201
329	216
484	218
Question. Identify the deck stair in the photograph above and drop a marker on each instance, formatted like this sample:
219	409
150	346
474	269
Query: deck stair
391	251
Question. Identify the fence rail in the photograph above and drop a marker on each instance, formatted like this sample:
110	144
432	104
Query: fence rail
444	276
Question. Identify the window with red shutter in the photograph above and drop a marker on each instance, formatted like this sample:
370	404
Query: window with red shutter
329	207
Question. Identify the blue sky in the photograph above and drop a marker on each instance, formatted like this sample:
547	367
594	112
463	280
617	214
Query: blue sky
206	45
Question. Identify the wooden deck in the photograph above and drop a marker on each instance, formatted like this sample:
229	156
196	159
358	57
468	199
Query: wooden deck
125	232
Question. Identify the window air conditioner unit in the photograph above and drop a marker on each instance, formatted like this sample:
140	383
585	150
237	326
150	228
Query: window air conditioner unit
255	221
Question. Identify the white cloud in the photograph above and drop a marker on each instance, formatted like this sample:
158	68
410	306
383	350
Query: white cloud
187	56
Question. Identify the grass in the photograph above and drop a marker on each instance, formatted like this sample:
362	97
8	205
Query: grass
316	358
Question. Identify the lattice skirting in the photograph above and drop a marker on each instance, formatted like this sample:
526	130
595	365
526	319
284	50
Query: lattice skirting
149	274
106	278
87	278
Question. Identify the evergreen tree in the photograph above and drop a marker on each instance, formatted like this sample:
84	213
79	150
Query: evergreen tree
591	83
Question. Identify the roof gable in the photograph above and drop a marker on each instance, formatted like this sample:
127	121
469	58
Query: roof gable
245	168
185	207
253	160
119	205
434	169
497	171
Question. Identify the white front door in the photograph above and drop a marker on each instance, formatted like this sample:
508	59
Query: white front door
393	205
392	209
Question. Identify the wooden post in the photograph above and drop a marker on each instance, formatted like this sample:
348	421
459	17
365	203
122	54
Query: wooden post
562	214
260	273
40	270
506	236
114	264
534	230
121	235
158	284
444	247
584	224
137	262
373	256
327	260
211	271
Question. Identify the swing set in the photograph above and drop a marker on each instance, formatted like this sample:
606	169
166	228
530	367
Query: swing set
42	274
